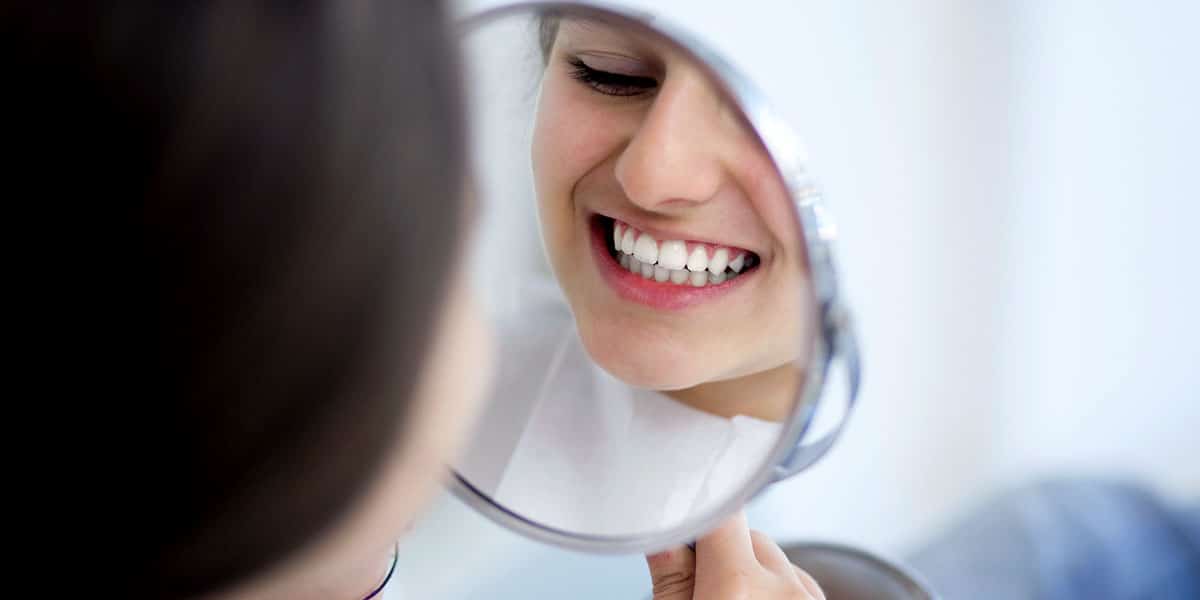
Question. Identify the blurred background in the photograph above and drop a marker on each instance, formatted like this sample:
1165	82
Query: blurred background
1013	184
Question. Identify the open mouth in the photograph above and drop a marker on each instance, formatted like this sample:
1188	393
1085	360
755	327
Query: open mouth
674	262
667	273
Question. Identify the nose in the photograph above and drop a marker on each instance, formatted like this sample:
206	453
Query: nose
673	161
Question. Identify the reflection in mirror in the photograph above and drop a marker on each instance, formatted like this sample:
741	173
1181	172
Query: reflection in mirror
644	268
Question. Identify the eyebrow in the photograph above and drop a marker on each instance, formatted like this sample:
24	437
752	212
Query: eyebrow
592	24
602	20
640	40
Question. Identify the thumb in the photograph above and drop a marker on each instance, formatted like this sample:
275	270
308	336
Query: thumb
673	573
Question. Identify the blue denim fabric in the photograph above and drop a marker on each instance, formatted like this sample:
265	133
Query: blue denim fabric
1068	540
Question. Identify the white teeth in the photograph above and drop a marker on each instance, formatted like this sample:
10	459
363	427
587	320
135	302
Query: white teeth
698	261
627	241
646	249
672	254
718	262
670	260
737	263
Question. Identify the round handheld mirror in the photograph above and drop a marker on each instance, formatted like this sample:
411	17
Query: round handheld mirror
655	262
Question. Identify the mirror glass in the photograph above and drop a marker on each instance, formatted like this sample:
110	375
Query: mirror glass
645	272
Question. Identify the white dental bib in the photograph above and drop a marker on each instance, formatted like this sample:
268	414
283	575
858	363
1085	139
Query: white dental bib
587	453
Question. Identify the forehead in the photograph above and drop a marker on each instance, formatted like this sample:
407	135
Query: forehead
584	33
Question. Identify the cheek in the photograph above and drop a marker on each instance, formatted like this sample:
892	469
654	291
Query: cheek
455	378
460	371
574	135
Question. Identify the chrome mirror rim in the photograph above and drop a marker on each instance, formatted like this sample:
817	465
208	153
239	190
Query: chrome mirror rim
835	339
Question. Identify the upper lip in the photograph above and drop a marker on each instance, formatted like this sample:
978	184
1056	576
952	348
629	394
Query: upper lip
676	234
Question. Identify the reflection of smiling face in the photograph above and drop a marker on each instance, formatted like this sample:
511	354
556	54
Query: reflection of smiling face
666	223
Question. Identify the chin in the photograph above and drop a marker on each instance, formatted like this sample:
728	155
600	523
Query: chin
640	376
642	363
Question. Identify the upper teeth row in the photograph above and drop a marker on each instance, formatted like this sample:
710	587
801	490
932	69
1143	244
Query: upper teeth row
674	254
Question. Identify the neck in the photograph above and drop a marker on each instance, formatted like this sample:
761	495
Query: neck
767	395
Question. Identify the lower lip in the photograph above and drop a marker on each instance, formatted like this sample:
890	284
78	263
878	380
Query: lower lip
664	296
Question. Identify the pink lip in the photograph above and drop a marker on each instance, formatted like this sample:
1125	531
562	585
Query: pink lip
663	296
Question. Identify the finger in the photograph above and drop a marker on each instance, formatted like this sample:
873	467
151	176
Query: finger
770	555
810	584
727	546
673	573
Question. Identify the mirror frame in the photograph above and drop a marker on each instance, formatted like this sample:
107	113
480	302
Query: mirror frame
835	339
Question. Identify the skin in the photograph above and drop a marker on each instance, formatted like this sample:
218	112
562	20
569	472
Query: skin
732	561
677	160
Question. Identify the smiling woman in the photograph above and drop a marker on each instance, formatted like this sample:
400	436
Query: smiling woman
657	208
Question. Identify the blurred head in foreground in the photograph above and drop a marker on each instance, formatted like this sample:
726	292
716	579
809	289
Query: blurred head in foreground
261	204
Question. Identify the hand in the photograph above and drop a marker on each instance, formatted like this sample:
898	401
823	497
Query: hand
731	562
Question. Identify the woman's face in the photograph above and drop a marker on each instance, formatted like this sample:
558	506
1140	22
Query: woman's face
665	222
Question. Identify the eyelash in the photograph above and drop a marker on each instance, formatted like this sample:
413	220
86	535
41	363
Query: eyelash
610	84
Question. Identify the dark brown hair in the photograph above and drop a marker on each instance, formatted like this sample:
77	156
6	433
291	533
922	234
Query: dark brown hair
548	23
262	202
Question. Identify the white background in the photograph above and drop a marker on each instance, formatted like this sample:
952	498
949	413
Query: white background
1016	194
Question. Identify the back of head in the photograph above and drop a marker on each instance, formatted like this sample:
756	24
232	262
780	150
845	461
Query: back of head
255	207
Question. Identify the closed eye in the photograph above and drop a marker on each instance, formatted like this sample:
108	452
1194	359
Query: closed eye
608	83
